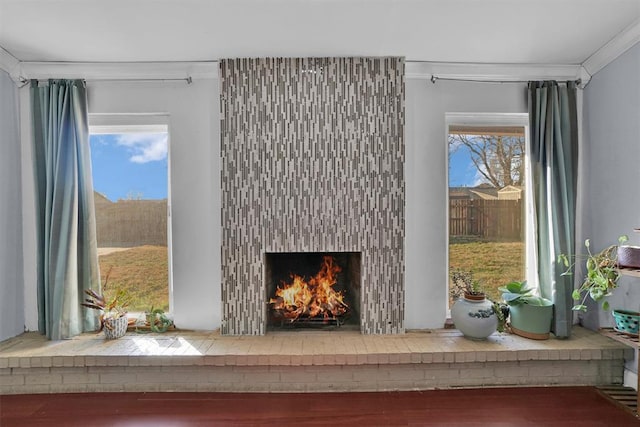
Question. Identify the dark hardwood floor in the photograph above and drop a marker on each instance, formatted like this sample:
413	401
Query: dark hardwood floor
550	406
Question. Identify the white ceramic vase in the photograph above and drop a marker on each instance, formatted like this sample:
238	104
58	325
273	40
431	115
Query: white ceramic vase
475	318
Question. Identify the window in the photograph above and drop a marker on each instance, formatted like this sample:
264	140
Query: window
489	199
130	176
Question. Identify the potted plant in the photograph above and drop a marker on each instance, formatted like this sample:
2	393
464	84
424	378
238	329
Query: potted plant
601	276
600	280
157	320
472	313
530	314
113	312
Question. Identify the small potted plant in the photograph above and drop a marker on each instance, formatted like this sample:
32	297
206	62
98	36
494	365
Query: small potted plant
472	313
530	314
464	286
157	320
113	311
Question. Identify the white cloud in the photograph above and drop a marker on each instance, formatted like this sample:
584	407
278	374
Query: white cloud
98	139
479	179
144	147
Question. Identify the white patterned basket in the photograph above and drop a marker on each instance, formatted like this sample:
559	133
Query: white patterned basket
115	328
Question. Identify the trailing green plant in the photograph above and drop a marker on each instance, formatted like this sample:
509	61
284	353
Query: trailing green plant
518	292
154	320
501	314
158	320
601	276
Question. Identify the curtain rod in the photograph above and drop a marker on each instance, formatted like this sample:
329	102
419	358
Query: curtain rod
435	78
189	80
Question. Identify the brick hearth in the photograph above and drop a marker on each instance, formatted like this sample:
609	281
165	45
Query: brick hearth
304	361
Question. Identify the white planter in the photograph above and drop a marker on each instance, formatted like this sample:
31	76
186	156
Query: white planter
476	319
115	328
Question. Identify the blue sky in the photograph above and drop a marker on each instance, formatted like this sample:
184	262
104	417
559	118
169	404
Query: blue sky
132	165
462	172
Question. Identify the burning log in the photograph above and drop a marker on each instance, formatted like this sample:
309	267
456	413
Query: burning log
312	299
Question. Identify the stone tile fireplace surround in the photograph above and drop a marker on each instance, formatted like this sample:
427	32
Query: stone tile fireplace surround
312	153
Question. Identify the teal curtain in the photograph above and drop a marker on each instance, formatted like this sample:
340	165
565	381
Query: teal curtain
66	232
554	160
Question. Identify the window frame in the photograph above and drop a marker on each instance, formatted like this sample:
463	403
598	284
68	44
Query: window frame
142	123
496	120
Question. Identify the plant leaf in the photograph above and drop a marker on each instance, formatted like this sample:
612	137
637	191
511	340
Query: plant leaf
564	260
510	296
535	300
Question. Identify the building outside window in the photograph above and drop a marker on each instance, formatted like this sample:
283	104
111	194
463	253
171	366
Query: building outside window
489	200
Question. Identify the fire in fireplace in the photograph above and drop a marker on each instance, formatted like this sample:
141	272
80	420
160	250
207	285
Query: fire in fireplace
313	298
312	289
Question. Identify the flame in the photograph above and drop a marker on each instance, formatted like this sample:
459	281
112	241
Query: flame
314	298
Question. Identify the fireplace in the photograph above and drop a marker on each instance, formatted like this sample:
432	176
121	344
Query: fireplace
312	289
312	156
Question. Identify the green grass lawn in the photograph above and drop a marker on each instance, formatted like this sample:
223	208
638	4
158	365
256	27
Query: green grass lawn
493	264
142	272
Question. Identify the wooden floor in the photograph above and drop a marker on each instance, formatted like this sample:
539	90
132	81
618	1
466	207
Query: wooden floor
550	406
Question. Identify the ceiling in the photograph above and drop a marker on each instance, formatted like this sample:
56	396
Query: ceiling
468	31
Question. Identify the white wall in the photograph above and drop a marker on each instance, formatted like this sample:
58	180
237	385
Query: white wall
611	150
11	280
195	185
194	152
195	181
426	189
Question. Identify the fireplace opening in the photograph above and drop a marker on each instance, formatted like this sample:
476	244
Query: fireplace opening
312	289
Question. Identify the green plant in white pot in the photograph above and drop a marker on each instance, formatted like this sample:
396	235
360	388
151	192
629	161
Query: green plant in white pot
472	313
113	312
113	309
530	314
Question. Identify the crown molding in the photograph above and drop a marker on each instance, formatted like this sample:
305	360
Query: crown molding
614	48
120	70
209	69
491	72
9	64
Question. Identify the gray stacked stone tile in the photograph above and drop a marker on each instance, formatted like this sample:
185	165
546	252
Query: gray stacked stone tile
312	153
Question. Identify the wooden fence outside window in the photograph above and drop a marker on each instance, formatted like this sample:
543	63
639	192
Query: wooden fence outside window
486	219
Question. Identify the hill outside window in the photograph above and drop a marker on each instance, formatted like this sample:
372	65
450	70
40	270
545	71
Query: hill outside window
130	165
